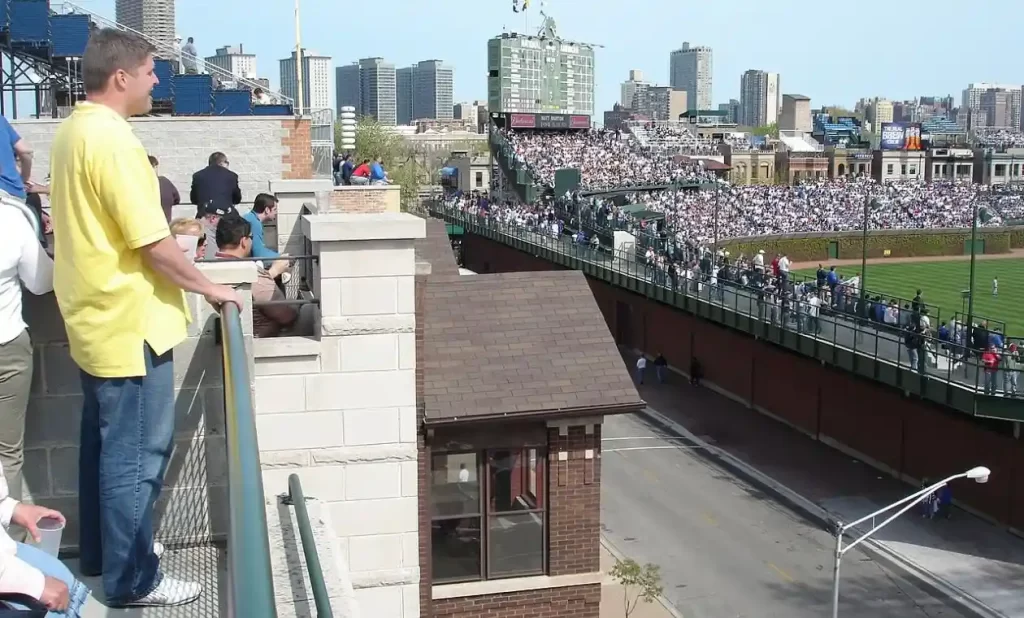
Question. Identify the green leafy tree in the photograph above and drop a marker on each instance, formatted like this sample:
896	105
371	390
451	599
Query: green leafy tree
404	168
639	583
768	130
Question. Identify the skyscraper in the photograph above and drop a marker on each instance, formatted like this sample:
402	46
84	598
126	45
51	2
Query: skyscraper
347	86
316	80
433	83
690	70
154	19
759	98
233	59
404	83
377	90
629	88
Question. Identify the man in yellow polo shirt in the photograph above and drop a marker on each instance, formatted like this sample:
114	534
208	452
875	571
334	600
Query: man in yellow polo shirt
119	276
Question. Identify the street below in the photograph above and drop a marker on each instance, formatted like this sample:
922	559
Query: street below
728	549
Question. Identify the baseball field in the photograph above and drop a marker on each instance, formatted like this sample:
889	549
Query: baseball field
942	284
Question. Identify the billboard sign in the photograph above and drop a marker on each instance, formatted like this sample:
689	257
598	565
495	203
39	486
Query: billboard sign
900	136
548	121
523	121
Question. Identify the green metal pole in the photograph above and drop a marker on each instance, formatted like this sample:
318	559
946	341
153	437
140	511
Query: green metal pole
864	253
970	285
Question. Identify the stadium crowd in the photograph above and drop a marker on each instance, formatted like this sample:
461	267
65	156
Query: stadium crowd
606	159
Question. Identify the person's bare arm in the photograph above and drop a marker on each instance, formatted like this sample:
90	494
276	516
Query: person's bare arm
24	153
166	258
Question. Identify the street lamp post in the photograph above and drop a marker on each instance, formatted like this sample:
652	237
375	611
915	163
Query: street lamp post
979	474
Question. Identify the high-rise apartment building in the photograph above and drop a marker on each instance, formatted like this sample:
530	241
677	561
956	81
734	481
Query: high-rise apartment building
629	88
377	90
537	74
973	115
405	79
880	111
154	19
347	88
233	59
433	90
660	102
316	80
732	111
690	70
759	98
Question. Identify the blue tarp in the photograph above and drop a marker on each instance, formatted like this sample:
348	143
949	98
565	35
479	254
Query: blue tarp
449	171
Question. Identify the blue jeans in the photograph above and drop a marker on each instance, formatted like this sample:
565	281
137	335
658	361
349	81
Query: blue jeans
78	594
127	438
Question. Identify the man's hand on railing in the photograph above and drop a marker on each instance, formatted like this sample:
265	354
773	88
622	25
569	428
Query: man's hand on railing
220	294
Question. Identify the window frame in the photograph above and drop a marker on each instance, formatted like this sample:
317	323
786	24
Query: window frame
484	513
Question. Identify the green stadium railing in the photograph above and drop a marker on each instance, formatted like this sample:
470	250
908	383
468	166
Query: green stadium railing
838	337
251	588
321	597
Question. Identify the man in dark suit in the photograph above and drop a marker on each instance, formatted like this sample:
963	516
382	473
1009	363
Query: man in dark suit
215	186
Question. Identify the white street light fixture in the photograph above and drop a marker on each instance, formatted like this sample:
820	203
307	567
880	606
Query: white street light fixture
978	474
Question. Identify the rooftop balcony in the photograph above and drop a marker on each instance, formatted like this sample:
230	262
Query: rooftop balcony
259	420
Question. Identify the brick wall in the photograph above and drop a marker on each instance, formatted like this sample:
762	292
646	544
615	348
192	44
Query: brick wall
422	463
366	199
260	148
575	500
568	602
574	509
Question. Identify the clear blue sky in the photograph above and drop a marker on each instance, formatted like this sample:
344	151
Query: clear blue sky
877	48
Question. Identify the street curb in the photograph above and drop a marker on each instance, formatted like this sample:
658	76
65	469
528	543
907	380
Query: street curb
618	555
874	549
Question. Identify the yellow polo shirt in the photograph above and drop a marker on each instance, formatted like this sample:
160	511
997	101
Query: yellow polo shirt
105	201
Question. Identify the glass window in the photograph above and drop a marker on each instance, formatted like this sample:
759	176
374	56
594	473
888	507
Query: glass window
503	534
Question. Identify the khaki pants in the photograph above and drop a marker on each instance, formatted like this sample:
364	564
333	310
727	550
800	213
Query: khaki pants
15	381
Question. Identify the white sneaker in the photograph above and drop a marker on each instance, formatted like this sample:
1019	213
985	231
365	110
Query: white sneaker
169	593
158	549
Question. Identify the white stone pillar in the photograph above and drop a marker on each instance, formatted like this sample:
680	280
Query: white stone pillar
292	195
343	415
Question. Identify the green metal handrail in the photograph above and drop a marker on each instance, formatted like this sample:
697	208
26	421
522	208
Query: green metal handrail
251	589
321	597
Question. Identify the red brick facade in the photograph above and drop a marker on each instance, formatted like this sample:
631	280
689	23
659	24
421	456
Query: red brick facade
298	149
574	523
570	602
573	514
368	199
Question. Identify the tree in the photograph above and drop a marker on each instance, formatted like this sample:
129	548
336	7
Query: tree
638	583
769	130
404	168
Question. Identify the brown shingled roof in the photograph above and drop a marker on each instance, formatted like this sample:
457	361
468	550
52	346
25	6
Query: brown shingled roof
518	344
436	249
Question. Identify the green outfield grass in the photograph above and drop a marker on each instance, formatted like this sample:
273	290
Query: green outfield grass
942	283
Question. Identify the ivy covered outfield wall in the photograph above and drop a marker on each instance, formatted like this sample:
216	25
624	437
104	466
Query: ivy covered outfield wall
814	246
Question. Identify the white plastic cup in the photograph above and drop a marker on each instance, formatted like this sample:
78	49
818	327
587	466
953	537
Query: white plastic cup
50	532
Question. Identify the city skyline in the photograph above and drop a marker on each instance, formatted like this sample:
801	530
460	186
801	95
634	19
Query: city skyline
738	44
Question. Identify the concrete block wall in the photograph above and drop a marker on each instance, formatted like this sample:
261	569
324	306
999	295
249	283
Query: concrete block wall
260	148
340	410
193	507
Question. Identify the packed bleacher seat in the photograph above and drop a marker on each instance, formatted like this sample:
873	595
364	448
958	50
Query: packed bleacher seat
998	138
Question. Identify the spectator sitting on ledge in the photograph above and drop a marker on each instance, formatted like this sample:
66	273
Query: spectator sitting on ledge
234	240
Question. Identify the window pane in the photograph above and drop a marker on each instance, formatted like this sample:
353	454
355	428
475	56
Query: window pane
516	480
455	548
516	544
455	488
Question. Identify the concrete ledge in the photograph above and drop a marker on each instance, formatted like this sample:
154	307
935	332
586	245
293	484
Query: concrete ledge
292	590
367	325
363	226
517	584
283	347
423	268
229	272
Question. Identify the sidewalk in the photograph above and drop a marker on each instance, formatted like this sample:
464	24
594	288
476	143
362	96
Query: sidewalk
612	599
963	557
